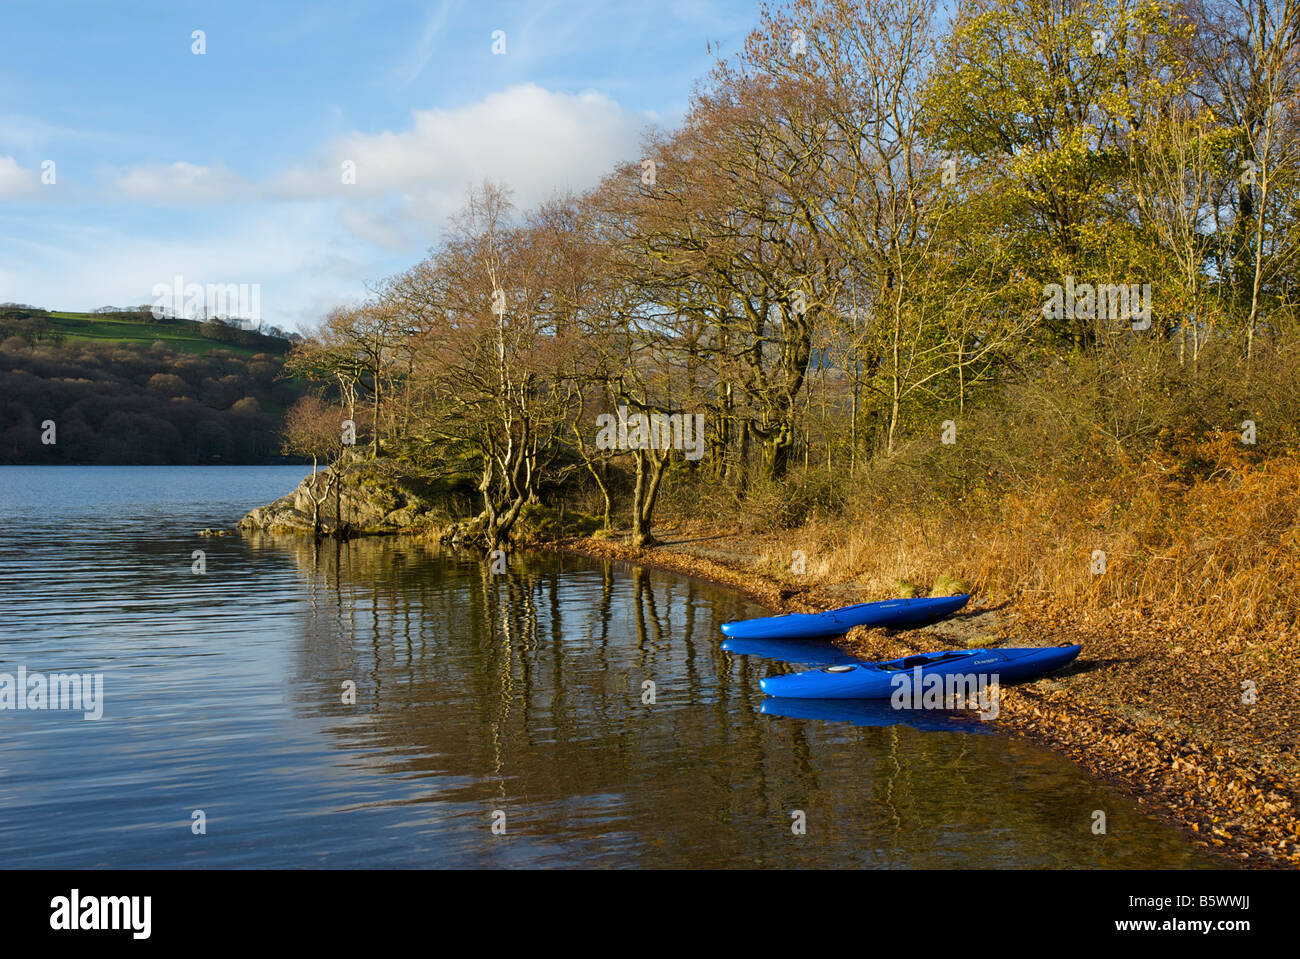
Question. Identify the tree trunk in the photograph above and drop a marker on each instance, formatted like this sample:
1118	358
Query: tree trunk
645	492
776	453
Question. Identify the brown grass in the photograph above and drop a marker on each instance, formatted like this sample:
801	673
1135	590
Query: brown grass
1223	551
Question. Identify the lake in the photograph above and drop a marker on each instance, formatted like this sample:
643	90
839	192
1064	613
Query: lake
389	703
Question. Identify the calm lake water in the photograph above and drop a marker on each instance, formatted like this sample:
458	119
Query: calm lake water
477	697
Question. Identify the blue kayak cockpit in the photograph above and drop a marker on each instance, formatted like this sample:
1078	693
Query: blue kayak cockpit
923	659
908	662
879	680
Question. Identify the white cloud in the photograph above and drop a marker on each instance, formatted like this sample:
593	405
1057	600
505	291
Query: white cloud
532	139
15	181
389	228
309	240
182	183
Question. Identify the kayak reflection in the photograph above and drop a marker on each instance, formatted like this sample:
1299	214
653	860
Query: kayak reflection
873	712
804	652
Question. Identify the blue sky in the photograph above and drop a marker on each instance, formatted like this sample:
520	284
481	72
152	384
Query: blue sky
226	167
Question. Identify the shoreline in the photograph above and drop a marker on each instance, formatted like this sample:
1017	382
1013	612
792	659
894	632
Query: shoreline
1138	712
1153	760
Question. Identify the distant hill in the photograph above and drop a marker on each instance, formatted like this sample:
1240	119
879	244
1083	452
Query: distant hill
122	387
138	325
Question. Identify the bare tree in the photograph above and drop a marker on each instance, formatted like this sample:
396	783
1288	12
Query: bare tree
312	428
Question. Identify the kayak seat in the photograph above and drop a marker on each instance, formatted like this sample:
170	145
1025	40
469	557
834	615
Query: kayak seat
925	659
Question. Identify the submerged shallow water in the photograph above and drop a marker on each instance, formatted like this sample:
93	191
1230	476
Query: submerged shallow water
480	699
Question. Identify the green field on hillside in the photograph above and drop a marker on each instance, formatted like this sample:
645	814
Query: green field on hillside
186	335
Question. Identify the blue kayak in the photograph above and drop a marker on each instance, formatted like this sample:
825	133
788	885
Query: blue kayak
880	680
889	614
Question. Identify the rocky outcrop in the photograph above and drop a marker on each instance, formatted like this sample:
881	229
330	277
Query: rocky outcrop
382	497
372	498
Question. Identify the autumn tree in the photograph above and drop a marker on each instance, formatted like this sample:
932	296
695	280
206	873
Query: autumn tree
491	357
1248	58
314	428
